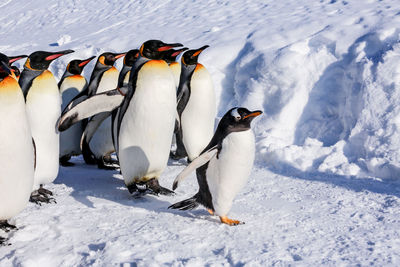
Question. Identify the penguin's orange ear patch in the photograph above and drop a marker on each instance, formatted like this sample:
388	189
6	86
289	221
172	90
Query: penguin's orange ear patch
101	60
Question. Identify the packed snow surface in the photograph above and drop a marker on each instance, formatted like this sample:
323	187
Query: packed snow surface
324	189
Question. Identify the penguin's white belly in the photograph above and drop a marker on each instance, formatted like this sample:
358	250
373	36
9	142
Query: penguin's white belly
147	127
70	139
198	117
16	151
229	173
101	143
126	79
176	71
43	106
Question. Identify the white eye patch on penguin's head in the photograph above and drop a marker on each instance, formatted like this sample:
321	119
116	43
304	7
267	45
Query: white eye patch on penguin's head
239	118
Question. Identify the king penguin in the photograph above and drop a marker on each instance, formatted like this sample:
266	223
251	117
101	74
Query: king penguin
145	122
16	148
43	106
15	69
99	148
196	107
224	166
170	57
71	84
129	60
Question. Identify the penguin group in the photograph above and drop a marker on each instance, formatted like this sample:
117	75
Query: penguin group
134	113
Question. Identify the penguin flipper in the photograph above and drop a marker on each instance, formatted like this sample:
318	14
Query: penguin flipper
187	204
103	102
196	163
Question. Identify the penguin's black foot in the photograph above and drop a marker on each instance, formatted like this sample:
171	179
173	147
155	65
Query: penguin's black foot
64	161
176	156
6	227
149	187
42	196
107	163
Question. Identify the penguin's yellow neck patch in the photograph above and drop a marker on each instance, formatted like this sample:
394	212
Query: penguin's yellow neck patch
141	50
76	77
156	63
174	64
199	67
9	85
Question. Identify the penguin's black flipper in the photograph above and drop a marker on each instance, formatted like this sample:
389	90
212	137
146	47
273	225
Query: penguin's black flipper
187	204
87	153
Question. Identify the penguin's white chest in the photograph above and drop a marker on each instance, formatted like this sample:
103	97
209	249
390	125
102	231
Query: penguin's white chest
43	106
228	174
16	150
101	143
70	139
147	127
197	120
176	71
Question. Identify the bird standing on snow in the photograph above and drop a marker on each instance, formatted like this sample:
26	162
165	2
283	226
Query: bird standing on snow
196	107
144	123
224	166
70	85
43	106
16	148
98	149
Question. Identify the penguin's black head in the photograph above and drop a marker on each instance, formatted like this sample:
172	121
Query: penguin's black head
76	66
131	57
239	119
108	58
170	55
4	66
190	57
40	60
15	58
154	49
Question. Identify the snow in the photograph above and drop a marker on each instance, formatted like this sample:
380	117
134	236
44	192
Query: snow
325	186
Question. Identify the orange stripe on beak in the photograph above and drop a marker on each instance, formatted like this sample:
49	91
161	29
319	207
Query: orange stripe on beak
164	48
83	63
52	57
253	114
120	55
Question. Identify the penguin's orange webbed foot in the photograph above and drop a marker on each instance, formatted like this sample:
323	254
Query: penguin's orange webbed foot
210	211
230	222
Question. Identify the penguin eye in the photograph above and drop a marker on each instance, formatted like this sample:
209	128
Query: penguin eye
236	114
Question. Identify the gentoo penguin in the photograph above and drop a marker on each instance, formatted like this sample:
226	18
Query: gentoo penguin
16	148
224	166
70	85
43	106
15	69
170	57
99	148
196	107
143	131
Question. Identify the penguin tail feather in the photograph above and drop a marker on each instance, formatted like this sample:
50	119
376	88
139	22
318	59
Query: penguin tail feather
187	204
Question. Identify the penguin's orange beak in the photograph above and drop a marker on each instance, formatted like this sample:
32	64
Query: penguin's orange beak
177	52
168	47
201	49
58	54
119	55
253	114
83	63
13	59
